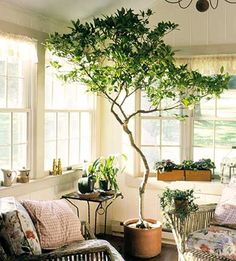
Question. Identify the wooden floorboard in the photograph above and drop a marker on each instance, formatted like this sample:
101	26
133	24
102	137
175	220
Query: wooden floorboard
168	252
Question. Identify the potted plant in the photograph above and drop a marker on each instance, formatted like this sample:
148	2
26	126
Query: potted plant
167	170
107	173
179	201
200	170
119	56
88	179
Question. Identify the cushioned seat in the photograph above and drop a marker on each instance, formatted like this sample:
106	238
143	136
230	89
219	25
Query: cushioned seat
214	239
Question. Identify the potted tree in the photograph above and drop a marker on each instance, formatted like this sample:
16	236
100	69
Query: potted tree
118	56
167	170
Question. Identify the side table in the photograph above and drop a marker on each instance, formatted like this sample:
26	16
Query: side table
103	201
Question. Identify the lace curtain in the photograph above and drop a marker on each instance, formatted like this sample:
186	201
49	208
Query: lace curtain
209	65
18	47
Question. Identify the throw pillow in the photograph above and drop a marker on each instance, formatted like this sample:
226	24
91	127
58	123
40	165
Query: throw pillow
225	213
17	228
55	222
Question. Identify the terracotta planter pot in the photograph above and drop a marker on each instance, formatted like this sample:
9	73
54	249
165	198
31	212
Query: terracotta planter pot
142	243
173	175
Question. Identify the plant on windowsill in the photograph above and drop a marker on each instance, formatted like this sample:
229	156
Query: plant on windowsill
200	170
179	201
167	170
119	56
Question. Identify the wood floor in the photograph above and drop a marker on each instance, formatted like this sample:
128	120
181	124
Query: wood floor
168	252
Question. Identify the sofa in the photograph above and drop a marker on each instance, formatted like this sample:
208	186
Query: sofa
208	234
48	230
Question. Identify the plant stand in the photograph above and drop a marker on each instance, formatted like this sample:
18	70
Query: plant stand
173	175
198	175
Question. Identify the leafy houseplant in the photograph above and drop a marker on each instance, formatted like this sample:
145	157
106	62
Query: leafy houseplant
180	201
165	165
120	55
107	172
167	170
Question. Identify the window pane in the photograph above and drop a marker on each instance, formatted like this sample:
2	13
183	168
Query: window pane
152	154
2	67
5	156
62	125
170	132
50	154
19	128
85	141
19	156
199	153
5	130
48	92
150	134
203	133
145	105
168	103
205	108
172	153
226	133
62	152
50	126
2	92
74	124
74	151
14	69
226	104
15	93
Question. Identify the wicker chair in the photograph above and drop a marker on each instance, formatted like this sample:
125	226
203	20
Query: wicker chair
195	221
91	249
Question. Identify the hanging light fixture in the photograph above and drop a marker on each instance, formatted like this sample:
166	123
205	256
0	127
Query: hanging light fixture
201	5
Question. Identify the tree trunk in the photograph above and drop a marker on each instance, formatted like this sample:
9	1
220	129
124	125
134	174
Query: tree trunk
141	223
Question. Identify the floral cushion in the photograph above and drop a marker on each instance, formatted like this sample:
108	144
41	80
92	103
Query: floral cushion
17	228
215	239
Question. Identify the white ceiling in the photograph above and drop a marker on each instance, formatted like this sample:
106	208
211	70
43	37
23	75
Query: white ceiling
66	10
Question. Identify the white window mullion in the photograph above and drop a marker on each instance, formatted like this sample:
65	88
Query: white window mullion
11	140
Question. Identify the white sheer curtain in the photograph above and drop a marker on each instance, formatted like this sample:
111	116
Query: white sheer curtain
209	65
18	47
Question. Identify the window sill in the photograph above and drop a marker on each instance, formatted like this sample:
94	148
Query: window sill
50	181
200	187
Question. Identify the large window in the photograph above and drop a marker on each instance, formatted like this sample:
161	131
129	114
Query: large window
17	61
68	122
208	132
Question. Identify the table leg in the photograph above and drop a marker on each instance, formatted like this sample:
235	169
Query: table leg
88	212
77	209
96	215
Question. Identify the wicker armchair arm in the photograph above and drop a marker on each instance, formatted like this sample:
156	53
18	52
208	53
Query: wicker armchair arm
195	221
94	249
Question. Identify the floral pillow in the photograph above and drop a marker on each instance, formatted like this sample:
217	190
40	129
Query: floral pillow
57	225
225	213
17	228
